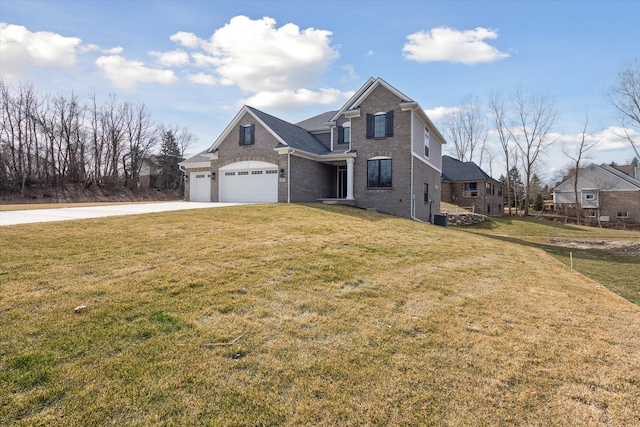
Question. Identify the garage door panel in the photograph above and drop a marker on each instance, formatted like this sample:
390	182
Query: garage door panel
249	185
200	187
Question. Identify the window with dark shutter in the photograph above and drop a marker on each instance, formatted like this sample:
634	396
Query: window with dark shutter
247	135
388	132
370	126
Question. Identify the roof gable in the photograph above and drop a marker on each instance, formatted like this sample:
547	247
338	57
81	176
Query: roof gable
366	89
286	133
602	177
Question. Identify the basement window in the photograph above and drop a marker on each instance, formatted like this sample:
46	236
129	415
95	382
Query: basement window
622	215
590	214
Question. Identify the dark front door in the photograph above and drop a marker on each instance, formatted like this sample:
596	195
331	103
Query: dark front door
342	182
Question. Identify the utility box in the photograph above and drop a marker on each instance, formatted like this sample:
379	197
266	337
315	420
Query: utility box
440	220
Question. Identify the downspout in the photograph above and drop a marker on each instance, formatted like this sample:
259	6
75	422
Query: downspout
413	196
289	177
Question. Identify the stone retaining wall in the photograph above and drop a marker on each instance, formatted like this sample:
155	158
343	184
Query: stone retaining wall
454	219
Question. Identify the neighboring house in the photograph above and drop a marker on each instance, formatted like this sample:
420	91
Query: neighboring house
149	171
604	193
379	151
468	186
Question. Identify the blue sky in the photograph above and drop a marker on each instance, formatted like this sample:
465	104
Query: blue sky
195	63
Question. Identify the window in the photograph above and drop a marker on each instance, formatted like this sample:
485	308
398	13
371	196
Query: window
426	192
622	215
256	172
229	173
270	172
379	172
589	196
380	125
426	142
344	134
590	214
243	173
200	176
470	189
247	135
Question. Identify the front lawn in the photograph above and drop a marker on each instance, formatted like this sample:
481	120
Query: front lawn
303	315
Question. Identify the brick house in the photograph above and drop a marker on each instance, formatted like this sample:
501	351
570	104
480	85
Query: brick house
379	151
605	193
468	186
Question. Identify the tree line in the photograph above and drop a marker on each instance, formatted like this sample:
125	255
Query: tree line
55	140
524	123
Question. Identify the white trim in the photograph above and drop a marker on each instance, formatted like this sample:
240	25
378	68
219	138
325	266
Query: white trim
379	158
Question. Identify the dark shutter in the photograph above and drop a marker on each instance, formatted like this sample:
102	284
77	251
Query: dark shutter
340	135
370	126
388	126
241	132
253	133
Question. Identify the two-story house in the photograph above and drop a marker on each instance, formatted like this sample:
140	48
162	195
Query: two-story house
379	151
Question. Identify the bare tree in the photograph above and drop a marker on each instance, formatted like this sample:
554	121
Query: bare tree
499	113
534	117
625	97
141	135
586	144
466	128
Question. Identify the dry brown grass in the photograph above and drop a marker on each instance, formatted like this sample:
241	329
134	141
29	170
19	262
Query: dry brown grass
351	318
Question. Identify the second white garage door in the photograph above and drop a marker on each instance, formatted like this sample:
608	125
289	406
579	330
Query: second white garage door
249	181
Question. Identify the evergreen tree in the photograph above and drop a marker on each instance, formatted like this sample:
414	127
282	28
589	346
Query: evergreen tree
538	204
169	174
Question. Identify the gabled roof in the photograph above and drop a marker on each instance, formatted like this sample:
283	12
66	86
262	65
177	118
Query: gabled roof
286	133
317	123
621	181
292	135
456	170
354	102
621	174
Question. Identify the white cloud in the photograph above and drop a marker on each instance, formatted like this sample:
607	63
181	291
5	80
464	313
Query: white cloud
94	47
447	44
202	79
350	73
266	61
125	74
175	58
292	99
22	50
615	138
439	112
186	39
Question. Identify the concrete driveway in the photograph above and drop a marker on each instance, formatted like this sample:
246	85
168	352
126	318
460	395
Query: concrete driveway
64	214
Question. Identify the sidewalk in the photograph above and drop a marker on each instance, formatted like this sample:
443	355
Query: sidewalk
65	214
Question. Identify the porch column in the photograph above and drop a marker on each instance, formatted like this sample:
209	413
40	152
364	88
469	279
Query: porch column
350	178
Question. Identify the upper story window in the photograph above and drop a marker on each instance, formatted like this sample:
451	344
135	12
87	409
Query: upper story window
247	135
427	137
589	196
470	189
380	125
344	133
379	172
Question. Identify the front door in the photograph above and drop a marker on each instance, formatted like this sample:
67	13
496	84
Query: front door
342	182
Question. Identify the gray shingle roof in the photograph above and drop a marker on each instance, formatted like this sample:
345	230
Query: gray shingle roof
455	170
317	122
293	135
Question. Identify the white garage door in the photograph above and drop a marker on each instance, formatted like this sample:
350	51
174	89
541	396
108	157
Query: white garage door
249	181
200	186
